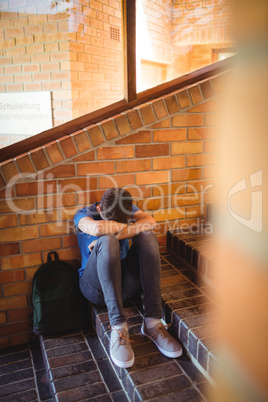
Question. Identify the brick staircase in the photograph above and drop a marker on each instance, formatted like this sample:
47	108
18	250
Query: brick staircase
77	365
194	320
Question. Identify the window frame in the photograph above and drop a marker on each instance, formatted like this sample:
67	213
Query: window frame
132	98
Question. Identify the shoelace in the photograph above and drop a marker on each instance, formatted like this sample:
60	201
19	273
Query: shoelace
121	338
162	330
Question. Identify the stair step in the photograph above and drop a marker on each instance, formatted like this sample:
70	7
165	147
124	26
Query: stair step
190	306
80	368
153	376
197	250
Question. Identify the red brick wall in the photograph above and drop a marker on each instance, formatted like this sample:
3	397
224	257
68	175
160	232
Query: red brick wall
163	152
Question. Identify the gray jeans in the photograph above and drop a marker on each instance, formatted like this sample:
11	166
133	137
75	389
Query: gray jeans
109	281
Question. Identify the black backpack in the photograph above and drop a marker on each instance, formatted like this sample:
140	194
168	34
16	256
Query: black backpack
58	304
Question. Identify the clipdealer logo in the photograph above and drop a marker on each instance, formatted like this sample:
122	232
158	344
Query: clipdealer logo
255	220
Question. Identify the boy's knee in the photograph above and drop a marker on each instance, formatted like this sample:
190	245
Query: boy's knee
108	246
108	241
147	238
146	234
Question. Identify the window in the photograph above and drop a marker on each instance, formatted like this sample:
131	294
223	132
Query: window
180	34
150	74
222	54
63	59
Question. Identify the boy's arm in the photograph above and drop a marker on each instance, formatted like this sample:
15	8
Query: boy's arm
143	222
101	227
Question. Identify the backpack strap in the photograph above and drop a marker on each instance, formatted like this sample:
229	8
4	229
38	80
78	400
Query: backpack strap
56	257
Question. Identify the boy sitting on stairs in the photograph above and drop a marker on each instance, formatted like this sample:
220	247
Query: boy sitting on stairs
111	271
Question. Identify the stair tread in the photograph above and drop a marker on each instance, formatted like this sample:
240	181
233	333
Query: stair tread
197	250
153	375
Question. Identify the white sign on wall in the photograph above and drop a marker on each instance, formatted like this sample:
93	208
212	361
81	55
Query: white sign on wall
25	112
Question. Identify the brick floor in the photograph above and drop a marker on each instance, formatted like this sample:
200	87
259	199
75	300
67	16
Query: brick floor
22	374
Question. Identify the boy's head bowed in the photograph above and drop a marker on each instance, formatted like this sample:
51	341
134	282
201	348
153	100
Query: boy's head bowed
116	205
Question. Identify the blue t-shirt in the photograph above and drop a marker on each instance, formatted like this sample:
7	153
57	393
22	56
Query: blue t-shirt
85	239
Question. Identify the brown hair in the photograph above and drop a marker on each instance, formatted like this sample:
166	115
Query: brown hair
116	205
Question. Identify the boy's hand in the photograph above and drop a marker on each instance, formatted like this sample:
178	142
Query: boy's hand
92	244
